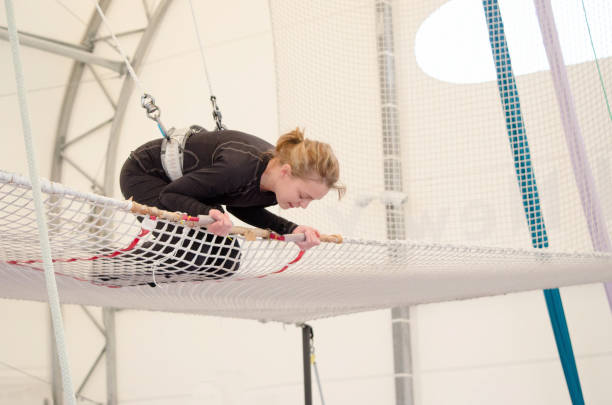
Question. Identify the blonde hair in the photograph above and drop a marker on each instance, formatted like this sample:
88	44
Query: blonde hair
309	159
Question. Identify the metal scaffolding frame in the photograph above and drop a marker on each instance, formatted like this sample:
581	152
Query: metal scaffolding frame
84	58
392	159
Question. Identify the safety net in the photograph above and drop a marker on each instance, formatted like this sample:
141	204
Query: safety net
105	254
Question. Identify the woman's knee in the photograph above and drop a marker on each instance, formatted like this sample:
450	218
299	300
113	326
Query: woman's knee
142	187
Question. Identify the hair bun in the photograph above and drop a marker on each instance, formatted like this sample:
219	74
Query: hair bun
294	137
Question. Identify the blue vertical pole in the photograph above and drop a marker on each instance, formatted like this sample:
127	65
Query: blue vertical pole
528	187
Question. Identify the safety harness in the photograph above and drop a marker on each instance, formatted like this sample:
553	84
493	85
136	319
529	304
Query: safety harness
172	151
174	140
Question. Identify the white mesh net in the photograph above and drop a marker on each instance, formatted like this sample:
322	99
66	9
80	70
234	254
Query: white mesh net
96	244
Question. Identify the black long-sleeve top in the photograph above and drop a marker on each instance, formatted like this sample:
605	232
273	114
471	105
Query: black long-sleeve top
219	168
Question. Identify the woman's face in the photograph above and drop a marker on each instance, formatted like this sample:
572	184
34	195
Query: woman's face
294	192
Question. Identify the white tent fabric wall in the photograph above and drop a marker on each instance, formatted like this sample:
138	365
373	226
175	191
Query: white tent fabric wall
240	47
458	170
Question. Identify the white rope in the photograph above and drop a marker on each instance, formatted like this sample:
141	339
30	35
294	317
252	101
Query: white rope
58	189
195	25
319	386
119	49
53	296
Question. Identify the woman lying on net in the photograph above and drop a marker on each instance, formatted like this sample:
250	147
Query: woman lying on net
235	169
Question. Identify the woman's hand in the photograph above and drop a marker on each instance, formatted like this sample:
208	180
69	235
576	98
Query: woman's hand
222	225
312	237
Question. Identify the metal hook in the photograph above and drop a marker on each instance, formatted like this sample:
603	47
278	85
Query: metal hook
217	113
148	103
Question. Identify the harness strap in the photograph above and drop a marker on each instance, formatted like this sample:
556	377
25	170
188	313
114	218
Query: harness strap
172	152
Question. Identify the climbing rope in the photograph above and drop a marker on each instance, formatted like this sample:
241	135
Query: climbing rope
43	233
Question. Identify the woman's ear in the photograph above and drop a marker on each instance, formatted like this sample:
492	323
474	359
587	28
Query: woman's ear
285	170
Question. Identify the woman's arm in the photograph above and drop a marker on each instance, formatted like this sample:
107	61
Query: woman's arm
187	193
262	218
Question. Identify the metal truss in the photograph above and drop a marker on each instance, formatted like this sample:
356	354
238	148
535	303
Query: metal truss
84	58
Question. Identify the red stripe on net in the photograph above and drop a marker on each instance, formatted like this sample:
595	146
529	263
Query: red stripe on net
131	246
116	253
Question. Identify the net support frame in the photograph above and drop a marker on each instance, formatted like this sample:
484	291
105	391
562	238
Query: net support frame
108	319
395	221
306	337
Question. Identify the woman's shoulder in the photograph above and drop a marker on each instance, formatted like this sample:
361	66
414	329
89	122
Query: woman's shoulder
242	143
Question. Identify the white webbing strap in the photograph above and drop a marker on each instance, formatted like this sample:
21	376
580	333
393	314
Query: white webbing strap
172	152
585	182
56	315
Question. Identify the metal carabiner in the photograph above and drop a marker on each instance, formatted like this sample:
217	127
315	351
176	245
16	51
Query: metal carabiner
217	113
148	103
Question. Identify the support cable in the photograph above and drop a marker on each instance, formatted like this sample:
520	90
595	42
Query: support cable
54	305
313	361
119	49
596	59
146	100
216	111
204	65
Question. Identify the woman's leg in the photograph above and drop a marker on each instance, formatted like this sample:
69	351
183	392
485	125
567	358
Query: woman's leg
199	255
142	187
